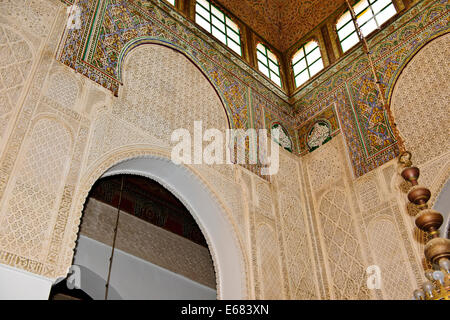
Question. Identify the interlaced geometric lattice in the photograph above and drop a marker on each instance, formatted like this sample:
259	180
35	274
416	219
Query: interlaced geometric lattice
347	272
34	15
15	66
160	81
298	259
63	89
31	205
269	263
418	101
389	257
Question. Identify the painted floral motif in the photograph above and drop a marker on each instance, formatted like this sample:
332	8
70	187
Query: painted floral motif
319	135
284	139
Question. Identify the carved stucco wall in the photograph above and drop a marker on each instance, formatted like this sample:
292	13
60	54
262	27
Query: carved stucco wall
15	65
68	126
420	105
347	86
347	215
420	102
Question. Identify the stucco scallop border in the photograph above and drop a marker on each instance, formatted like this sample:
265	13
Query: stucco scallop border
121	155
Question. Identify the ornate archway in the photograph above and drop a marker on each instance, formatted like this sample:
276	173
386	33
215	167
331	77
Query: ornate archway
201	201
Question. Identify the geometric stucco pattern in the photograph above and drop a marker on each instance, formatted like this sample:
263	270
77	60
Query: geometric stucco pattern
38	144
345	207
166	77
324	166
388	231
269	263
300	265
345	261
15	66
34	21
385	243
221	179
32	15
30	209
421	101
63	89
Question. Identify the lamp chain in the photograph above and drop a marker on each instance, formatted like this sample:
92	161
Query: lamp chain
368	52
437	250
114	240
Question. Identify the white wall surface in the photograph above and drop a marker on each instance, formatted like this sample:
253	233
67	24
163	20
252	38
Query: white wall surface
20	285
131	277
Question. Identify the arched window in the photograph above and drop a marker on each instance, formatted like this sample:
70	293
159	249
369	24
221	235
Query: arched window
370	14
213	20
306	62
268	63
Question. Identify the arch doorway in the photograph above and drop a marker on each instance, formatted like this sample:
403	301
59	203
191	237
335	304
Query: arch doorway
184	184
159	250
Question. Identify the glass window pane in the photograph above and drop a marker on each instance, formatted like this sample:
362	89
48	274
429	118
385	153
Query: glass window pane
261	57
263	68
219	35
272	56
172	2
310	46
261	48
301	78
300	66
204	3
386	14
270	68
370	14
276	79
217	13
346	17
233	35
202	12
377	6
300	54
316	67
232	25
348	29
213	20
365	16
368	27
349	42
218	24
360	6
274	67
313	56
203	23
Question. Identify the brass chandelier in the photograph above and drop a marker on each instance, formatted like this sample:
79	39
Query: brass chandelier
437	250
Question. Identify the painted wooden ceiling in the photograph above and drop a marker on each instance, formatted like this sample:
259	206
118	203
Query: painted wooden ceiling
282	22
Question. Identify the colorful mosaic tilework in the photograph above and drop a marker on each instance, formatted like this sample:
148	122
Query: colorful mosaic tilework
111	28
350	87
